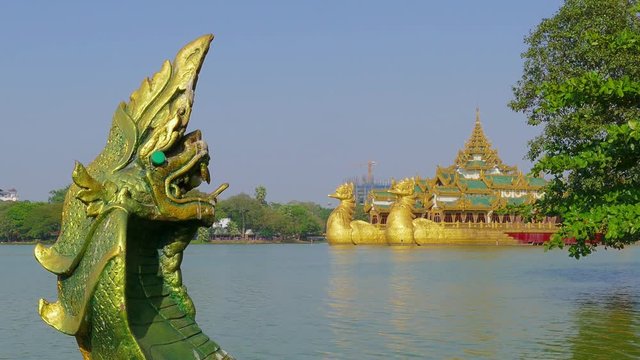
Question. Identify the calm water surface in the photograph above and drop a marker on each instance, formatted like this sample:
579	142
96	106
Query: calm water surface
320	302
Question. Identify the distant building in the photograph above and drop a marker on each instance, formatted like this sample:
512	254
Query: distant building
476	188
221	224
9	195
363	187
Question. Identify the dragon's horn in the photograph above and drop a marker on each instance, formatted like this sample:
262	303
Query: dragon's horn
162	102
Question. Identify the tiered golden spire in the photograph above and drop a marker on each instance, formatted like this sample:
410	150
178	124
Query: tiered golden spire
478	152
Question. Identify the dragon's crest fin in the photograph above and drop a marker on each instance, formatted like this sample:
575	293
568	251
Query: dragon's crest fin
162	102
129	133
93	193
149	90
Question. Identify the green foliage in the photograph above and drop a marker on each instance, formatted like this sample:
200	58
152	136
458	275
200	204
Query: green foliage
203	235
221	213
233	229
582	47
581	83
597	190
359	213
58	195
243	210
261	194
24	220
295	220
298	220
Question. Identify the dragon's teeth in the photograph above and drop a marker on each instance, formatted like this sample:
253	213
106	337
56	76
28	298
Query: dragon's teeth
204	173
177	190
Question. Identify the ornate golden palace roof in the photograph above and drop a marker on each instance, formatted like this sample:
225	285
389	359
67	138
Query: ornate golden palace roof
478	154
477	180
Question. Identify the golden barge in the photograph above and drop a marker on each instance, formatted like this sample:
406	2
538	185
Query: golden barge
473	201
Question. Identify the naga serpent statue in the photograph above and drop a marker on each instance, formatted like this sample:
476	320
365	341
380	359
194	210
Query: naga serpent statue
126	221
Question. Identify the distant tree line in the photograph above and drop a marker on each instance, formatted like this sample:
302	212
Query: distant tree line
248	216
28	221
255	217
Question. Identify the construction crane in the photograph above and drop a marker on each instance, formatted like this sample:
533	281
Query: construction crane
366	184
370	165
369	177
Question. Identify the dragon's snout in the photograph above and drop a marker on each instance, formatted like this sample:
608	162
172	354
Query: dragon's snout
187	165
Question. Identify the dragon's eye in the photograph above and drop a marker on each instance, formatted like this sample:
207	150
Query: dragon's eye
158	158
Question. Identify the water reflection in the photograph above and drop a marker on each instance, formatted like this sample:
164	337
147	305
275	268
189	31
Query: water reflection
607	327
412	301
308	302
480	302
341	296
404	299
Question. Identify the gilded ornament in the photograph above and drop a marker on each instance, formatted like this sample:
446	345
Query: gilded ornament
342	229
127	219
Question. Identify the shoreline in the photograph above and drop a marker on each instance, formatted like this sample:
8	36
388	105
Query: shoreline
31	242
256	242
212	242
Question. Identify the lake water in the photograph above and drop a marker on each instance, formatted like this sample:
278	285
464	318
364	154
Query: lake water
321	302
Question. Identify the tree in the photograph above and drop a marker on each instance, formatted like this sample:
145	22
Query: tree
243	210
233	229
318	211
293	220
43	221
58	195
580	83
261	194
8	223
298	221
359	213
203	235
578	41
220	213
25	220
271	222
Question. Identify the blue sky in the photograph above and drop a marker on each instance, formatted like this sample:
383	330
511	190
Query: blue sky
294	95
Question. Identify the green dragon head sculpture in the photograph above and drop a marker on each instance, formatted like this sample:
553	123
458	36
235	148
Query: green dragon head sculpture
127	219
